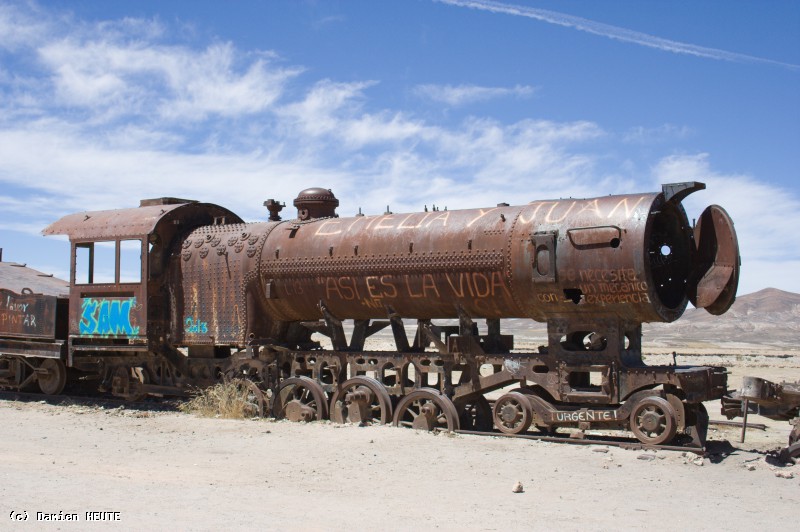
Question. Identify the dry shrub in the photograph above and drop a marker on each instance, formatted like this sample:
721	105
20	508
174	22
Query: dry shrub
232	399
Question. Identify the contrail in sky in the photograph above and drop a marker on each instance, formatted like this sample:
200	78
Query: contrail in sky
614	32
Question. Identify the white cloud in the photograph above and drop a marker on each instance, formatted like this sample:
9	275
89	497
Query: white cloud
614	32
210	83
458	95
327	21
381	128
111	115
21	27
655	135
115	79
323	106
765	217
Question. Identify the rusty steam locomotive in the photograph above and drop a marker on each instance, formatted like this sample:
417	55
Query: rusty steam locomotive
190	294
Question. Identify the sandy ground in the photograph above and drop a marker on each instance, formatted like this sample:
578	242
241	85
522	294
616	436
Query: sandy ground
172	471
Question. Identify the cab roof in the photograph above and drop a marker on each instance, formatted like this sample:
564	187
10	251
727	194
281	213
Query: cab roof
136	222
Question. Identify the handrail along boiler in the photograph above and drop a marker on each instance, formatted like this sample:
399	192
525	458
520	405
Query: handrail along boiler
191	294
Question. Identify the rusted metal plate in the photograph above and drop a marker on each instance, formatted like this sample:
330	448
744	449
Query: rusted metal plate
27	315
597	236
18	277
32	347
764	392
118	223
211	304
422	264
717	262
109	224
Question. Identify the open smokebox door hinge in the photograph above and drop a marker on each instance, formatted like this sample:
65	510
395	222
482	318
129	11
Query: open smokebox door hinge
715	265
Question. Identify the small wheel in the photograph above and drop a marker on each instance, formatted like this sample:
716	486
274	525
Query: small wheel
20	373
513	413
474	413
128	382
653	421
361	400
790	453
426	409
300	399
251	397
794	436
52	376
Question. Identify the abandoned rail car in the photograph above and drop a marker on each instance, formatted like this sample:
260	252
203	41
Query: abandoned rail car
177	294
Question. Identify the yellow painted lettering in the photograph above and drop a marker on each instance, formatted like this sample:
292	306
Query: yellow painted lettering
482	286
371	289
410	291
323	230
443	216
549	217
330	287
481	215
382	225
386	281
628	210
429	284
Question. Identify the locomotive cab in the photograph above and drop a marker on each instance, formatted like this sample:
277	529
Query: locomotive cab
118	302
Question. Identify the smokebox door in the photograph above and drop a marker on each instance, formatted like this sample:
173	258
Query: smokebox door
715	268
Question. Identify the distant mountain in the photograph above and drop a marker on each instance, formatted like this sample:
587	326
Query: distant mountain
769	304
769	318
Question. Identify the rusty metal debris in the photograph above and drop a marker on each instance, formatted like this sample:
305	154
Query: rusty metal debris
189	295
780	401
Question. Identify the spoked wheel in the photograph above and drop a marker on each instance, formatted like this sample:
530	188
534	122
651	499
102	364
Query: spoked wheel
513	413
300	399
653	421
426	409
474	413
52	376
250	396
361	400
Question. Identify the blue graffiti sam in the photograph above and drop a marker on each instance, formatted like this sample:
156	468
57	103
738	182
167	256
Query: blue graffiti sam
107	316
196	326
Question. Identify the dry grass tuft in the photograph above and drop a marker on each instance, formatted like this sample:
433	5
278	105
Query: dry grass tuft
231	399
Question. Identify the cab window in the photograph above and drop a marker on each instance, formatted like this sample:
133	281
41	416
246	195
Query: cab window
108	262
130	261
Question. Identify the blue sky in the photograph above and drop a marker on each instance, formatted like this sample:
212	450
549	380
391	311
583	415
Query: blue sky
404	103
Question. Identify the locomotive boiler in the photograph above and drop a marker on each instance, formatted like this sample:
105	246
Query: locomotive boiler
191	294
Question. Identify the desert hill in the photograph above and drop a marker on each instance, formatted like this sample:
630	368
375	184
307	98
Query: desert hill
767	318
769	304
